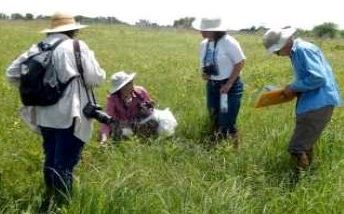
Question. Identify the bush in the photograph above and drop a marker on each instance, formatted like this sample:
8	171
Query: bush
326	30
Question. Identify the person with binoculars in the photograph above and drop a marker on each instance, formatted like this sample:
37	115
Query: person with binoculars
128	105
222	60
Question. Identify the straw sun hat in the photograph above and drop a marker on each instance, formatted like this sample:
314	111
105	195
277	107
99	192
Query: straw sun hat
275	39
209	24
120	79
61	22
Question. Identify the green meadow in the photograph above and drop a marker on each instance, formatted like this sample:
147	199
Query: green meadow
181	174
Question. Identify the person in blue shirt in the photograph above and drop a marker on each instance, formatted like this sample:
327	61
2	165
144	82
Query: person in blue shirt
315	87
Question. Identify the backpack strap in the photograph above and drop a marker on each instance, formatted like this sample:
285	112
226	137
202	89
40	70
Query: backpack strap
46	46
43	46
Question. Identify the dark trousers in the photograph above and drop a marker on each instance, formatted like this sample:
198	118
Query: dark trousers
224	122
62	152
308	129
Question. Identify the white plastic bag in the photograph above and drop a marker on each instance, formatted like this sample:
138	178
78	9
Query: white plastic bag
167	122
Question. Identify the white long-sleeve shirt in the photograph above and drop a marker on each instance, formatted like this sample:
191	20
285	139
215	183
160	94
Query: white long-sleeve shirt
69	107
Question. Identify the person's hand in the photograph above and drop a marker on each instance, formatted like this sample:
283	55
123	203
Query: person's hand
225	88
288	92
205	76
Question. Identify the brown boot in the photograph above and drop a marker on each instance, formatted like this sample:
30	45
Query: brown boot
302	161
235	139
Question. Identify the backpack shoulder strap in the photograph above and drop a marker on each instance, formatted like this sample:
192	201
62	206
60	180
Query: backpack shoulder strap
57	44
46	46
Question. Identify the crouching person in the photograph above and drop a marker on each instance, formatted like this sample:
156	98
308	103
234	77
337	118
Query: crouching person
129	105
63	126
315	87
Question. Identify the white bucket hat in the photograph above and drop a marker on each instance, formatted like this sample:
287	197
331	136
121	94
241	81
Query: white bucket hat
120	79
209	24
61	22
275	39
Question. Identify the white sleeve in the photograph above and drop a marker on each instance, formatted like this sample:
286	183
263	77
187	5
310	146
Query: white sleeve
234	50
94	75
13	70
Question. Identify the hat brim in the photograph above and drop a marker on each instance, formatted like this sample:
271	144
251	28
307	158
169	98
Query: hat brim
129	79
64	28
197	26
285	35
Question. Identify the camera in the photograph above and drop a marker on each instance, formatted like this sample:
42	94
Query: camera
94	111
145	109
210	69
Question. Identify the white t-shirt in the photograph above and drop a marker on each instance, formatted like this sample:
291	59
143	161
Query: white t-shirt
227	53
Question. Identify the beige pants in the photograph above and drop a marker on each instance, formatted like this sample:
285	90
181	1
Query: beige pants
308	129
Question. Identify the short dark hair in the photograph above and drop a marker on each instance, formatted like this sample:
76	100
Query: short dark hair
219	34
70	33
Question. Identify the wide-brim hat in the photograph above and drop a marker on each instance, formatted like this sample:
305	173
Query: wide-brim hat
120	79
209	24
62	22
275	39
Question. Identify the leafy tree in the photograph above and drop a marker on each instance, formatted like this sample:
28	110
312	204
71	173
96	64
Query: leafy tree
327	29
4	16
99	19
184	22
146	23
16	16
28	16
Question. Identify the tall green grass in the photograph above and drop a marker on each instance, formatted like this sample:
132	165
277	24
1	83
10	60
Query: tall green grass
181	174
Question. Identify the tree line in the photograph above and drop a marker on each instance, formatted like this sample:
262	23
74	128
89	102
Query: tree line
180	23
325	30
79	18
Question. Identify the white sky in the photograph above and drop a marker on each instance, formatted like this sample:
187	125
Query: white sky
238	13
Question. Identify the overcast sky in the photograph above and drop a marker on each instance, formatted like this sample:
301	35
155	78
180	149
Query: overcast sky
238	13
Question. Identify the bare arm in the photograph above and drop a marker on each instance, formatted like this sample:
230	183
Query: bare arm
235	74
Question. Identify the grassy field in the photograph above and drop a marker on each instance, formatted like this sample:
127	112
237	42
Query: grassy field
178	175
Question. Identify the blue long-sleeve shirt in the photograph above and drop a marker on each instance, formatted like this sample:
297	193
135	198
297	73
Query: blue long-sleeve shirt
313	78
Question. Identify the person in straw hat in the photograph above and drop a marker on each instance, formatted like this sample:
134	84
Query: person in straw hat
63	126
222	60
128	104
315	87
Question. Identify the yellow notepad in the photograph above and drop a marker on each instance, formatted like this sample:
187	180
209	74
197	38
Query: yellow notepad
272	97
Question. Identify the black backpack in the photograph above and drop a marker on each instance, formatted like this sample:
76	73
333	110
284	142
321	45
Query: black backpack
39	85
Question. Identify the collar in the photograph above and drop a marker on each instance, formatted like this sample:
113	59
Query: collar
295	44
52	38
